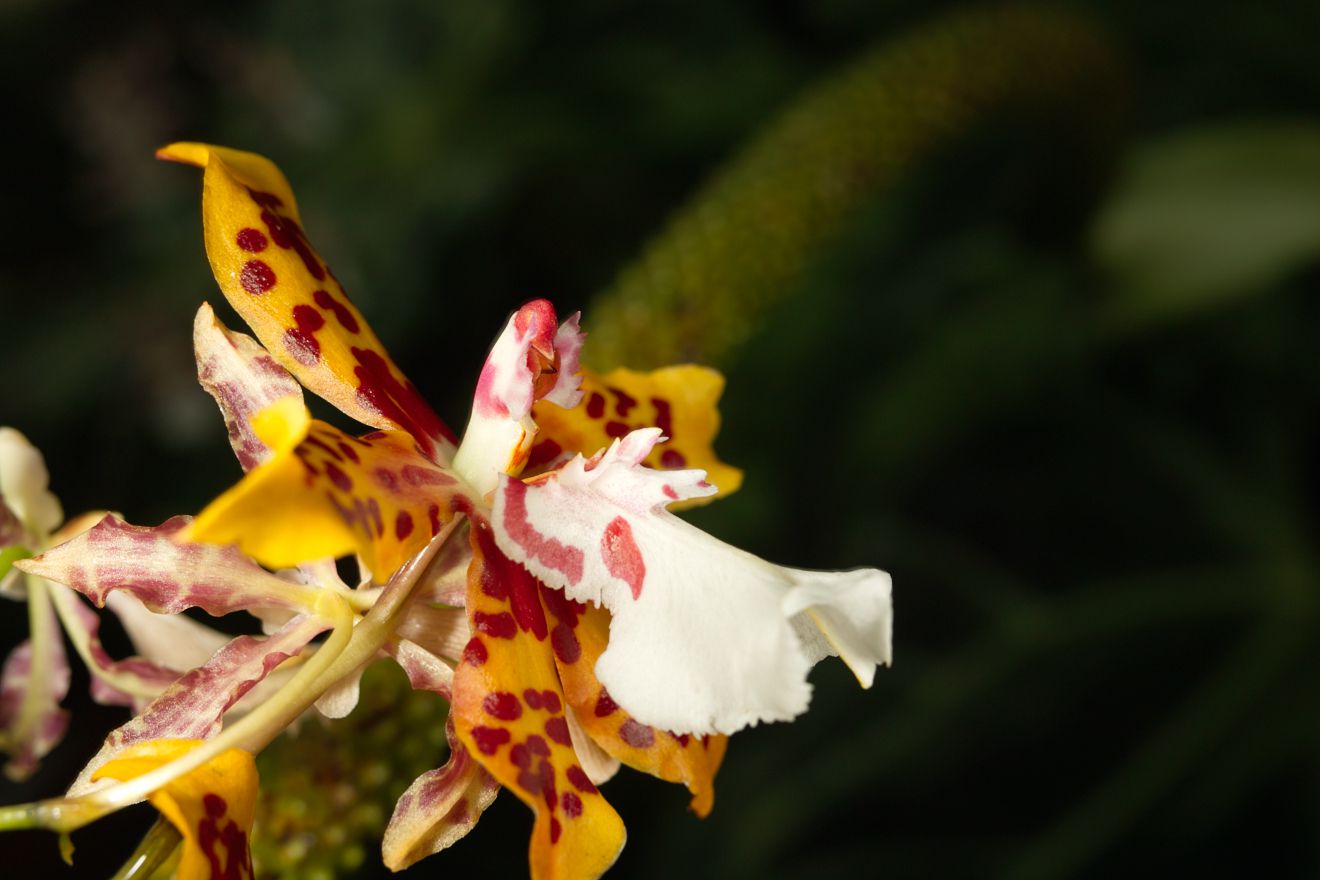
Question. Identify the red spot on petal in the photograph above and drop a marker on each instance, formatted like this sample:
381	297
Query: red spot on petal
572	805
595	405
538	746
681	738
474	653
557	729
489	739
672	458
565	642
669	491
500	626
380	390
532	697
636	734
563	608
302	347
616	429
622	557
214	805
550	700
555	830
664	417
502	705
256	277
433	513
251	240
625	402
341	480
342	313
578	777
543	453
605	705
403	525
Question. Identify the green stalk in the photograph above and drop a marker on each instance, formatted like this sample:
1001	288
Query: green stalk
736	248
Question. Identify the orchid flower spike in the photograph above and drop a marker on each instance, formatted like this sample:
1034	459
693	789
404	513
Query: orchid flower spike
531	572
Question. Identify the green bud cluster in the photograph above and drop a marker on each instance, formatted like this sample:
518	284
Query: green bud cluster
329	787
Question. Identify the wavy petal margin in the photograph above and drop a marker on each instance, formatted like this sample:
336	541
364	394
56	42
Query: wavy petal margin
166	574
704	637
579	635
682	401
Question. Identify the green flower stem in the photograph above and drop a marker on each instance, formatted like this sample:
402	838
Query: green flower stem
152	853
10	555
738	246
37	692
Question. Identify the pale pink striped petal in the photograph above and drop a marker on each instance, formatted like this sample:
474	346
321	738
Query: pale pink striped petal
193	707
439	808
34	680
704	638
532	359
165	575
243	378
134	681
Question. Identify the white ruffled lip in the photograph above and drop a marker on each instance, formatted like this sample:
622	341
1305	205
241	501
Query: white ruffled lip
704	638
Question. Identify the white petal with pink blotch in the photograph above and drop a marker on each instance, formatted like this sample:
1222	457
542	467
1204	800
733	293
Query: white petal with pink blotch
705	638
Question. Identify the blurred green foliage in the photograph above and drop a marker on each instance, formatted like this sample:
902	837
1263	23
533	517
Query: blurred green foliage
1075	422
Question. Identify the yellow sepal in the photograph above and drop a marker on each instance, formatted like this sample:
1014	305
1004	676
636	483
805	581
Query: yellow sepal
681	400
212	806
273	277
324	493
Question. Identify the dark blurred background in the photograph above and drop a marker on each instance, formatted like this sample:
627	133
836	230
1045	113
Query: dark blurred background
1063	388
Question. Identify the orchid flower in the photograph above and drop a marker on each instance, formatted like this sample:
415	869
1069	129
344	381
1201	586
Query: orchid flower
531	573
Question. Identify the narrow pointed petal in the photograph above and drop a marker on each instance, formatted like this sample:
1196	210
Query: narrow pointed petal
193	707
272	276
325	493
150	563
243	378
508	711
213	806
682	401
34	680
442	805
532	359
579	634
702	638
24	481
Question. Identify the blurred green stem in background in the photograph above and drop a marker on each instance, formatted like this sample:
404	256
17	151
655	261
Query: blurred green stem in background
701	287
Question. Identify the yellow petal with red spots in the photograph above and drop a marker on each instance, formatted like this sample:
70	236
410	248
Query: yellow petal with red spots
273	277
324	493
212	806
681	401
579	633
508	710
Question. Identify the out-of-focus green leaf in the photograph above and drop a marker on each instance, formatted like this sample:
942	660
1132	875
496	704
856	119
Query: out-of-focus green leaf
1204	217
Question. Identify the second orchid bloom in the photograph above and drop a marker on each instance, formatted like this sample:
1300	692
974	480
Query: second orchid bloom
531	572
